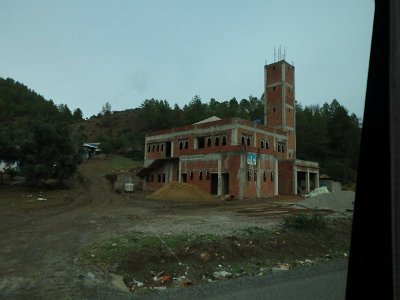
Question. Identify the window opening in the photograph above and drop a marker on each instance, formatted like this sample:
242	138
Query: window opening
217	141
248	141
200	142
224	140
186	144
201	175
209	142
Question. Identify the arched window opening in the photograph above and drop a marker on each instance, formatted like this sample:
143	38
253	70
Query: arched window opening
224	140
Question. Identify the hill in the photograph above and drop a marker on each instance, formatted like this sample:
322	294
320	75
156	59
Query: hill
118	132
34	132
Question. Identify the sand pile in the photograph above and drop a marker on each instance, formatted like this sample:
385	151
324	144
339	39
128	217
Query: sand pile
182	192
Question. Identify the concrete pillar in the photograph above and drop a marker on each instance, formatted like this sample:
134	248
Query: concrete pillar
276	178
258	180
265	96
171	172
172	148
220	176
242	176
294	180
180	171
145	149
283	87
308	181
317	180
234	139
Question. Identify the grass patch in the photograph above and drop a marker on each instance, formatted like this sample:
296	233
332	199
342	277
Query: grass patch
305	222
252	250
118	162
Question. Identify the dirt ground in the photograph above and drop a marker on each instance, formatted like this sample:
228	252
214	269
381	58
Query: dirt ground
41	239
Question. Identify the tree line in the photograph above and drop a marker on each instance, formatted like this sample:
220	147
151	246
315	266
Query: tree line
41	137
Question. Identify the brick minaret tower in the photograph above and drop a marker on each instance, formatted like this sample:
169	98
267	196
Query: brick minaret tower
279	107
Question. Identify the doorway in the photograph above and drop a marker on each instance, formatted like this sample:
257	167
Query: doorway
224	183
184	177
168	149
214	184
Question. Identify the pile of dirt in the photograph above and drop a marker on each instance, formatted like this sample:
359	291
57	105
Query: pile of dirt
179	191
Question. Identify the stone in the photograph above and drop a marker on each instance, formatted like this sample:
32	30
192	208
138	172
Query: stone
118	282
222	274
205	256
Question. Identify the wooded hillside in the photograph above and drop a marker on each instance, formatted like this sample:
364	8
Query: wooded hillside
40	134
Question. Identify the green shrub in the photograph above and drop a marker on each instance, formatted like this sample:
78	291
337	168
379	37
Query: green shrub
303	221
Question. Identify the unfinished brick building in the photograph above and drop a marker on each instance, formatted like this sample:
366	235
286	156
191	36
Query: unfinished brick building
235	156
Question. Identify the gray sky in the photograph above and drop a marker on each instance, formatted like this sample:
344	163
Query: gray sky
85	53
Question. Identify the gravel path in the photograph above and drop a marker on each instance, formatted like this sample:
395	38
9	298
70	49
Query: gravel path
339	201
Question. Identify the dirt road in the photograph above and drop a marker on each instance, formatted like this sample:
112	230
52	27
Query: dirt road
40	242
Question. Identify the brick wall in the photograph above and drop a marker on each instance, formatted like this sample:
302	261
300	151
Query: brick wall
285	170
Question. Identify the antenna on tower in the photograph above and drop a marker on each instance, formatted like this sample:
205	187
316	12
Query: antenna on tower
280	52
274	54
284	52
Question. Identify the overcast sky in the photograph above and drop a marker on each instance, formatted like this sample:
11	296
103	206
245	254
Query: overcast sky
86	53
